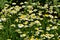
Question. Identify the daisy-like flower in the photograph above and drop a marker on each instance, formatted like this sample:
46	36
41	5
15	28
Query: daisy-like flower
51	7
13	25
13	3
36	28
26	2
3	19
26	26
35	10
26	22
32	38
20	25
37	21
31	24
22	16
17	8
22	35
21	3
30	11
55	12
54	27
18	30
30	7
41	18
33	3
13	12
11	8
6	5
33	16
48	28
46	5
42	35
58	6
55	17
58	23
50	24
40	13
46	15
4	10
37	33
37	17
50	16
49	35
58	37
23	6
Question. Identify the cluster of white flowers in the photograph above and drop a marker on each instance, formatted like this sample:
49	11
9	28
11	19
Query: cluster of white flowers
31	18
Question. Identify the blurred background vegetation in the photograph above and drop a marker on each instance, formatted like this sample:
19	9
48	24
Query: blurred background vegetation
49	2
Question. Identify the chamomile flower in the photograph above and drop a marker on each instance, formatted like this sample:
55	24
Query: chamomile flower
13	12
30	11
48	28
18	31
22	35
33	16
23	6
17	8
13	25
31	24
51	16
21	3
46	15
30	7
54	27
32	38
3	19
55	17
13	3
37	21
6	5
36	28
20	25
26	22
35	10
46	5
26	2
26	26
23	16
